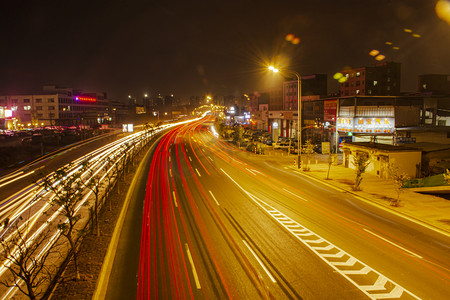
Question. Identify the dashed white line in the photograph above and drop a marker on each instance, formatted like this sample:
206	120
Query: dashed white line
190	158
194	271
214	198
198	172
250	171
174	198
392	243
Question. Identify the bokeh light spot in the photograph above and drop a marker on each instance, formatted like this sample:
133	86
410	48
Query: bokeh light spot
388	43
442	9
343	79
289	37
296	41
416	35
374	52
407	30
337	76
380	57
395	48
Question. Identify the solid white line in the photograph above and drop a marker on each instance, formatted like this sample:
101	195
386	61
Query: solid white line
214	197
198	172
392	243
197	282
260	262
175	198
295	195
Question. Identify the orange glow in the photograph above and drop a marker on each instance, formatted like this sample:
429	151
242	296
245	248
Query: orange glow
442	9
296	41
380	57
289	37
374	52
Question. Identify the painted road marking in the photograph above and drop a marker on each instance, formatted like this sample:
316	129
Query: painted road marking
250	171
260	262
392	243
354	270
174	198
295	195
190	158
194	271
214	198
198	172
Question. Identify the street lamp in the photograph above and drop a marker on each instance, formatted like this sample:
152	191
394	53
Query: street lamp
299	110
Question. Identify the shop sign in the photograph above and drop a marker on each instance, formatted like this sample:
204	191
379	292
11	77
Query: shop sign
366	125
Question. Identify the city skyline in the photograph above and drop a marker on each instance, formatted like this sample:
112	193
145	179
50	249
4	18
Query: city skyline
197	48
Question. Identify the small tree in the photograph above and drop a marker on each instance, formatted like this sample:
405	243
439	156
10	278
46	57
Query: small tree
26	262
65	185
237	135
447	176
309	150
330	162
361	162
398	178
93	183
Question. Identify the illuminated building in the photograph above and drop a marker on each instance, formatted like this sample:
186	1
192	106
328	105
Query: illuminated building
381	79
56	106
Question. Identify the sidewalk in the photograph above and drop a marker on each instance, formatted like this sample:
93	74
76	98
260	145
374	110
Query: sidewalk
431	210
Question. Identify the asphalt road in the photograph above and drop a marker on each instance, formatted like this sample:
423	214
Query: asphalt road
223	223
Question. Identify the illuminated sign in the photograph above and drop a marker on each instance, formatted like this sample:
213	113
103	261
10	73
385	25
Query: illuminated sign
366	125
8	113
127	127
275	125
86	99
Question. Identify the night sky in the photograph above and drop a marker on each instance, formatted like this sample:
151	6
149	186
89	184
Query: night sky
220	47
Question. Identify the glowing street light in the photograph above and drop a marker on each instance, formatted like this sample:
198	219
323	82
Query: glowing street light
299	110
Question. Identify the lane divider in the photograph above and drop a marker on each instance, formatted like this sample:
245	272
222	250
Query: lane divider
354	270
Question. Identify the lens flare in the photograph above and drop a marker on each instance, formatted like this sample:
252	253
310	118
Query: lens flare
388	43
416	35
337	76
442	9
296	41
407	30
289	37
374	52
395	48
380	57
342	79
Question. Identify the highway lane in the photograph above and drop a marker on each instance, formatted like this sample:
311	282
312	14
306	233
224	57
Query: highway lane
232	224
402	250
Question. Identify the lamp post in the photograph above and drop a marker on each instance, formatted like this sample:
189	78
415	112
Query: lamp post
299	110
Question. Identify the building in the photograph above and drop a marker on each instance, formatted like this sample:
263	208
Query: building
56	106
382	79
436	84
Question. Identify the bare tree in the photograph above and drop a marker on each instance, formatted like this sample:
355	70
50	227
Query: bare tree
398	179
26	260
361	162
309	150
93	183
65	185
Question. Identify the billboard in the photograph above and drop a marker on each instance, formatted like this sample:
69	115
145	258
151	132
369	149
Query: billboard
366	125
329	110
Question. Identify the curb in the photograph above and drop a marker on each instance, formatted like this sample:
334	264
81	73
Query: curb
381	206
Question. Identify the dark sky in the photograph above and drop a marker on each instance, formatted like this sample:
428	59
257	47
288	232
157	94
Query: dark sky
219	47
